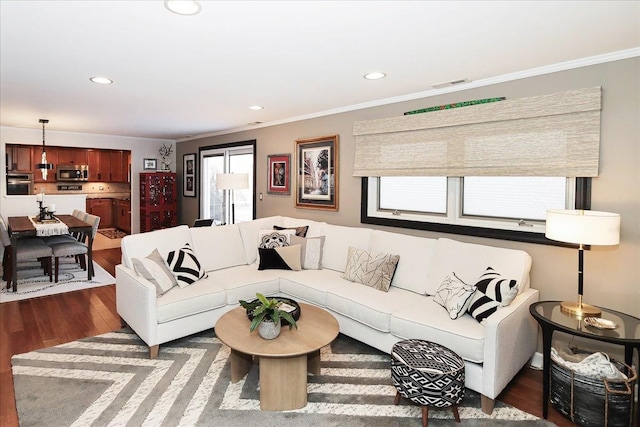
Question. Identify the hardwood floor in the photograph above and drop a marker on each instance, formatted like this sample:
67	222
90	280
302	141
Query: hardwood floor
48	321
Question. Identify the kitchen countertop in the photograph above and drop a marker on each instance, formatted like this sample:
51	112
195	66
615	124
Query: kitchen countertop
117	196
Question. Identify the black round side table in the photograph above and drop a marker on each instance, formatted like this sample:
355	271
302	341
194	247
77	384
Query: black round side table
550	317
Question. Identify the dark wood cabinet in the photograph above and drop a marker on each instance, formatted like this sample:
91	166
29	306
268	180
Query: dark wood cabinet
122	215
19	158
103	209
158	200
116	162
71	156
99	165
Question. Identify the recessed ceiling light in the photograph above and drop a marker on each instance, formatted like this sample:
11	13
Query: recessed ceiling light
375	75
183	7
101	80
256	107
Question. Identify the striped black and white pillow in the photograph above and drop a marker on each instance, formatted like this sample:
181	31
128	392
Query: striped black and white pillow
185	266
492	291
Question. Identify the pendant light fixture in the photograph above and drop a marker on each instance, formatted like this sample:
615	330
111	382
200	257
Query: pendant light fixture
44	166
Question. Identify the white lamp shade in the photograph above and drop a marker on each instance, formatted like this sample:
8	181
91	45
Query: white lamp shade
232	181
583	227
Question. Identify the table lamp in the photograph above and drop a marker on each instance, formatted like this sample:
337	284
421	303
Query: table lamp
582	227
232	181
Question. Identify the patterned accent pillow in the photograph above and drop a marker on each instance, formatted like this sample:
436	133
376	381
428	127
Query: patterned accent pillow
154	269
311	251
454	295
300	231
269	239
374	270
185	266
282	258
497	287
498	291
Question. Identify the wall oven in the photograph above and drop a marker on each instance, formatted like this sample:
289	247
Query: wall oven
19	183
72	173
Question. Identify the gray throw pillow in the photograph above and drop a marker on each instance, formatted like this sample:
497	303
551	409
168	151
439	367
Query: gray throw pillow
154	269
311	251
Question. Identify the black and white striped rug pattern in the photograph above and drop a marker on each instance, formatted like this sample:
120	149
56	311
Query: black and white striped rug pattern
109	380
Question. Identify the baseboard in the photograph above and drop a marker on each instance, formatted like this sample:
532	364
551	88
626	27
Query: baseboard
536	361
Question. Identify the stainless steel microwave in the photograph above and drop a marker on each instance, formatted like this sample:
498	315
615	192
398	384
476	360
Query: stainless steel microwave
72	173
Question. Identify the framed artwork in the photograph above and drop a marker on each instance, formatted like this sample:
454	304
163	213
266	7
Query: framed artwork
279	174
317	173
189	175
150	164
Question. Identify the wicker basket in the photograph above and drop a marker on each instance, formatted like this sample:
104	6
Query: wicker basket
591	401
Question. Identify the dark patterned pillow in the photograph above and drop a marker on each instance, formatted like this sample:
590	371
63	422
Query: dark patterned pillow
492	292
300	231
497	287
280	258
185	266
454	295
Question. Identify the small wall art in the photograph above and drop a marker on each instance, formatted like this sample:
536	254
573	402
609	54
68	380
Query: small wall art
279	174
189	175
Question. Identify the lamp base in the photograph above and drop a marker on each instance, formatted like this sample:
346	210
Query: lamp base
579	309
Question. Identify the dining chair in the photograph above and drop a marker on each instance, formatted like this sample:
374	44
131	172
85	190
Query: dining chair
76	248
29	248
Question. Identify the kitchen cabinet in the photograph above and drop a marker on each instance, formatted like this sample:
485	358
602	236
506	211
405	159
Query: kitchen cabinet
108	165
19	158
52	157
103	209
122	214
158	200
71	156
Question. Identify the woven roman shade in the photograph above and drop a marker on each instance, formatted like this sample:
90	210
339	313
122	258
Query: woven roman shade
548	135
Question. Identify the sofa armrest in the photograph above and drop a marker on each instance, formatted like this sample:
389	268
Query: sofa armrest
511	338
136	304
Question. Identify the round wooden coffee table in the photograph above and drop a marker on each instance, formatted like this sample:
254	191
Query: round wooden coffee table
284	361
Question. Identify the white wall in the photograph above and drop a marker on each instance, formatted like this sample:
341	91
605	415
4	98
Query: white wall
141	148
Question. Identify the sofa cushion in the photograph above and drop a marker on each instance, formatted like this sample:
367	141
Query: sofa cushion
366	305
142	244
154	269
280	258
469	261
371	269
454	295
204	295
310	285
338	240
249	232
413	268
185	266
244	281
218	247
422	318
311	249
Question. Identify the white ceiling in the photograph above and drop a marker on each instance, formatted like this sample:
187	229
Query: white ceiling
192	75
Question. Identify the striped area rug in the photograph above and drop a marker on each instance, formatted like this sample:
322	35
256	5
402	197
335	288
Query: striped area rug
109	380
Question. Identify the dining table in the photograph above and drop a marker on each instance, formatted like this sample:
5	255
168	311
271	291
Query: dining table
20	227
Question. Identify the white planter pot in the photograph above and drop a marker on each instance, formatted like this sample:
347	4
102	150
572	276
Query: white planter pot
269	330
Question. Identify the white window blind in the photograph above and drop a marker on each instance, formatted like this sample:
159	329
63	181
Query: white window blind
548	135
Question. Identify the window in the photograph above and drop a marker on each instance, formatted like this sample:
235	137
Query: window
217	204
512	208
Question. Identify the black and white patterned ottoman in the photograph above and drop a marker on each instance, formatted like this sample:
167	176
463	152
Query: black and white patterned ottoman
428	374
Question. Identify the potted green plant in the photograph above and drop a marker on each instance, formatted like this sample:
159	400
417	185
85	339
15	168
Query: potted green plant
267	317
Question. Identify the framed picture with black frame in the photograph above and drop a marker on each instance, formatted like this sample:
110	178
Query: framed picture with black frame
189	175
317	173
150	164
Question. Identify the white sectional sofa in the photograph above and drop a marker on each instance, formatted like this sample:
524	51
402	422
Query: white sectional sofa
494	350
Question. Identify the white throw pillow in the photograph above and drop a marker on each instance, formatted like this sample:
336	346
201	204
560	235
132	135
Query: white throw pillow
454	295
312	249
